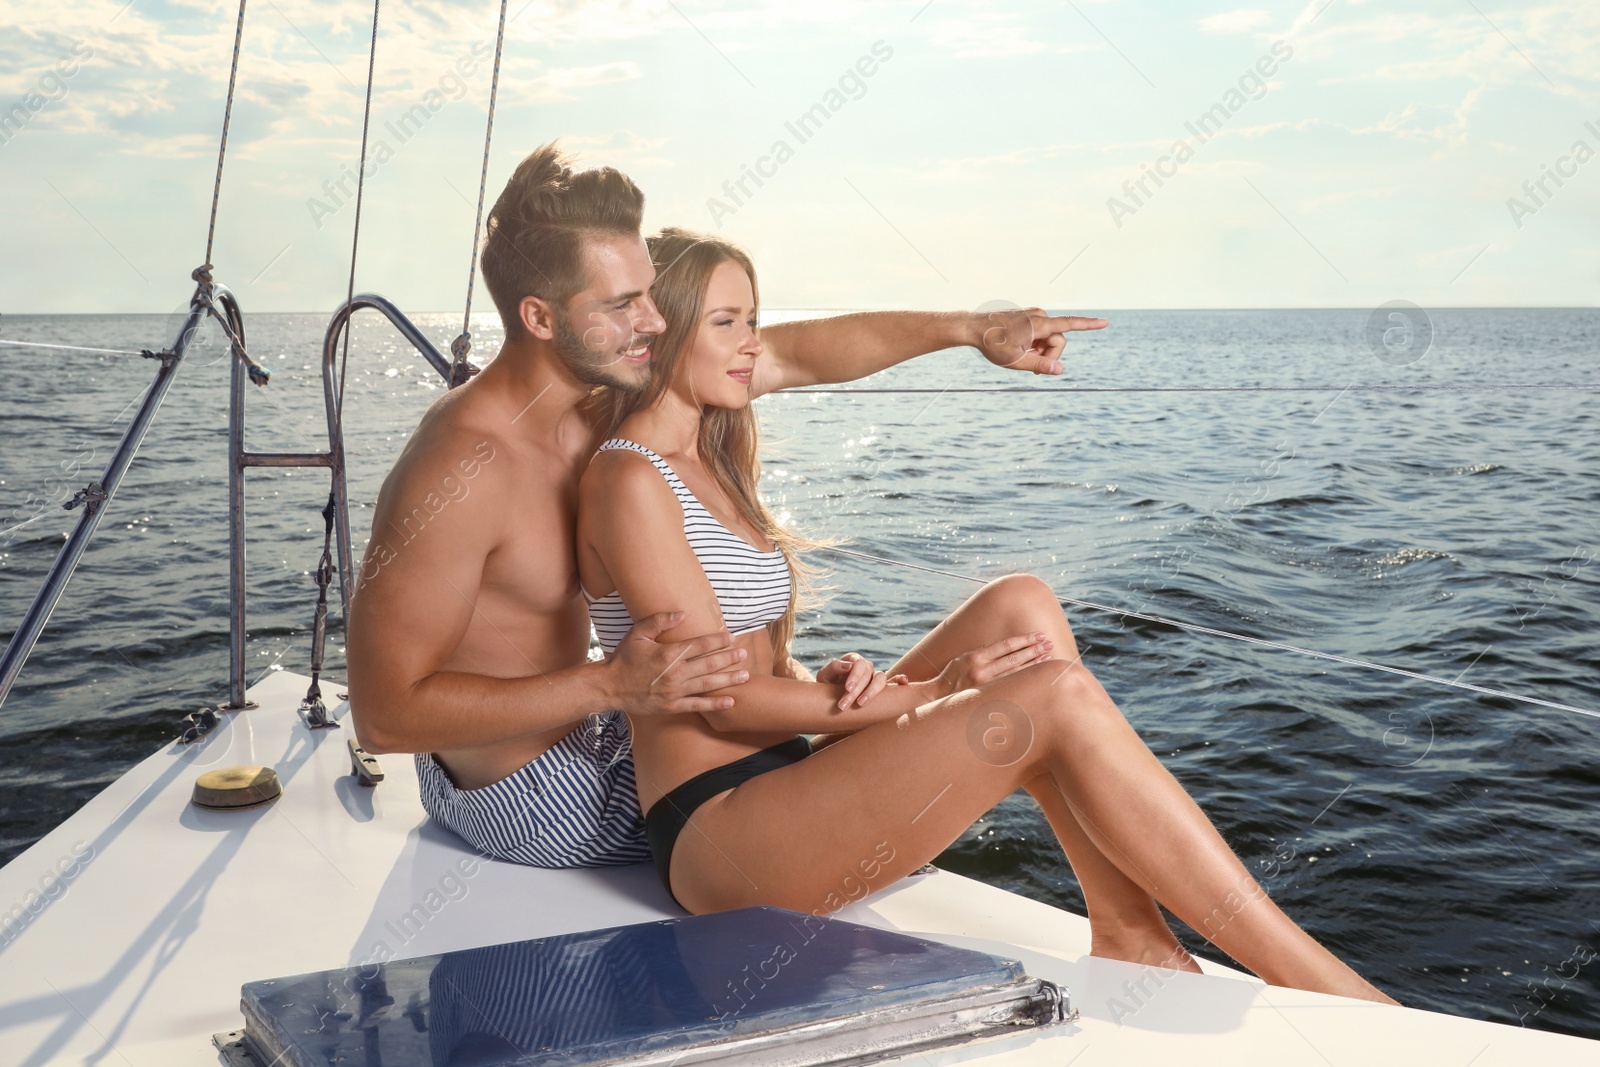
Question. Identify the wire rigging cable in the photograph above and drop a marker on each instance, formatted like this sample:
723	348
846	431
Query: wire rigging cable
73	348
9	530
1510	387
461	347
1241	637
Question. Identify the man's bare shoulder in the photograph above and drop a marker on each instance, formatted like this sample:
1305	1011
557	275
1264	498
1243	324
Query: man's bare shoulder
455	462
450	430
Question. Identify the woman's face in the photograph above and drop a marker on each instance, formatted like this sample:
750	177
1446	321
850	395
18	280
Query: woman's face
716	369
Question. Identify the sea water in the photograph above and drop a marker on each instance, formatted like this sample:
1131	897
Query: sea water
1445	843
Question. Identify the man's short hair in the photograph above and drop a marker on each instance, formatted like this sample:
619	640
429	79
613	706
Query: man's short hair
534	243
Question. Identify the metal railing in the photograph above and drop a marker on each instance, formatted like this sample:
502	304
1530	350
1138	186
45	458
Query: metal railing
239	459
97	495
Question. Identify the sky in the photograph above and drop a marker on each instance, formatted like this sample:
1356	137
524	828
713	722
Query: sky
1080	155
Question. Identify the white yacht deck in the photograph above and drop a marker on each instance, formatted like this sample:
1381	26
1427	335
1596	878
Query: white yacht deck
168	909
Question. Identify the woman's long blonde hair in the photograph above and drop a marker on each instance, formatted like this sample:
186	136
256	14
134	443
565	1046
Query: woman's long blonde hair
727	443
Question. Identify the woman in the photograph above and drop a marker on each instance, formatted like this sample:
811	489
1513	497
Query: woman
740	809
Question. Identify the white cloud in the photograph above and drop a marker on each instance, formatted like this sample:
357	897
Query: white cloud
1398	122
1555	47
984	34
1241	21
619	148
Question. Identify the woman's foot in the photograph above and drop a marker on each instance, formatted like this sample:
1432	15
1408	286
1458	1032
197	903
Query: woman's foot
1365	990
1332	975
1151	948
1159	949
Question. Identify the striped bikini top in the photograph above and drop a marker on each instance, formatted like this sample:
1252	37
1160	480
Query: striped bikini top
752	586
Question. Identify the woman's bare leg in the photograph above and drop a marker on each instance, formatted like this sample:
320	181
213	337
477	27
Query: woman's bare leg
876	805
1124	922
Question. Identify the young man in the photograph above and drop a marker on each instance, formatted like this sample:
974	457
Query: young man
468	636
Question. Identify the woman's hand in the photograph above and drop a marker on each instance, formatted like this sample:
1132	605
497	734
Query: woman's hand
861	681
972	669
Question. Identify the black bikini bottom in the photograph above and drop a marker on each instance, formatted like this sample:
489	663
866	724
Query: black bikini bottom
668	816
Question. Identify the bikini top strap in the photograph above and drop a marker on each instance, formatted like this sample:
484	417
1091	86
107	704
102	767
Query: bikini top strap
675	483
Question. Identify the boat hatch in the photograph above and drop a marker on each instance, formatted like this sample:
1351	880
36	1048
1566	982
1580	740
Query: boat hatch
753	986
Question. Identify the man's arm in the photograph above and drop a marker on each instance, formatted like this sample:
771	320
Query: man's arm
842	348
415	598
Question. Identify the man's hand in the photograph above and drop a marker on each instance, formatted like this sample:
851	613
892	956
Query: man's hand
653	677
1028	339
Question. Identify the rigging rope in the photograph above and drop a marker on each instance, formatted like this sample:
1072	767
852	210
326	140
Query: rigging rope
258	374
202	273
461	347
312	707
1240	637
316	712
355	235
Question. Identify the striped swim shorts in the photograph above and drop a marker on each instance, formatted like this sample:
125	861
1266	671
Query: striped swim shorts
574	805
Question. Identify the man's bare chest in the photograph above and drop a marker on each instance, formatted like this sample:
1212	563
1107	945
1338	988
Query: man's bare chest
534	565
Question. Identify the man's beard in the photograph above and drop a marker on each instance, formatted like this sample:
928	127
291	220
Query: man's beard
590	367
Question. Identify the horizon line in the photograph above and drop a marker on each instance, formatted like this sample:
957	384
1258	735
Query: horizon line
850	310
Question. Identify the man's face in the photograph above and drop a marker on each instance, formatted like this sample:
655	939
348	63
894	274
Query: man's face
603	334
